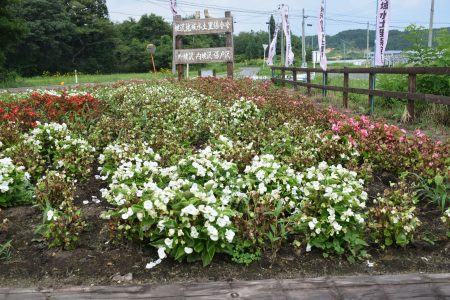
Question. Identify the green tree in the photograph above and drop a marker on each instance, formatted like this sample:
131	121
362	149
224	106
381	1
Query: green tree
46	45
272	26
12	30
94	39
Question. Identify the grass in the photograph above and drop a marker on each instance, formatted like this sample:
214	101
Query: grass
65	79
429	116
5	250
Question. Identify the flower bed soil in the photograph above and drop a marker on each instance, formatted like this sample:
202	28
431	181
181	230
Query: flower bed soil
98	259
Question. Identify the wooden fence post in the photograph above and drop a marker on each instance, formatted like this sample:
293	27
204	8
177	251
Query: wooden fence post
308	80
371	87
294	78
229	43
345	93
283	77
325	83
179	45
412	89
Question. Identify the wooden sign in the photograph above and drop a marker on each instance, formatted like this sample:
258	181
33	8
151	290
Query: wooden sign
206	55
203	26
201	56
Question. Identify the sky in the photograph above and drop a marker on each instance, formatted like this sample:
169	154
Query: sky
253	14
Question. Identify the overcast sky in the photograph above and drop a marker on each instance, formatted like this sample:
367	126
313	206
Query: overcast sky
253	14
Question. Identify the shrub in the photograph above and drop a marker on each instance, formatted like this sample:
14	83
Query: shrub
56	146
62	226
272	194
330	215
393	218
446	220
53	189
62	220
184	210
15	187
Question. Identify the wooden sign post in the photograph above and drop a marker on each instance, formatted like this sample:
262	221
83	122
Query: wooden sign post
152	49
203	55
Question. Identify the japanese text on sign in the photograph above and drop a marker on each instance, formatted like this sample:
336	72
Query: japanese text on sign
382	31
199	56
203	26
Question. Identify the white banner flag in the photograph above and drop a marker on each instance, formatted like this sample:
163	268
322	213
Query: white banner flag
287	33
173	7
321	37
383	16
272	48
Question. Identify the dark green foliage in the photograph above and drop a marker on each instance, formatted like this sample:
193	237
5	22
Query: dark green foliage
12	30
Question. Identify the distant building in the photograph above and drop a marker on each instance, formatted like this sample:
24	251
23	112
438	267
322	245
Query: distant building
391	57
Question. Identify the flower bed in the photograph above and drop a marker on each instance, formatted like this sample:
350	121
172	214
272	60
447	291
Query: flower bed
215	167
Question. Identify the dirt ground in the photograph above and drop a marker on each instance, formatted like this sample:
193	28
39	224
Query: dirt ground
97	259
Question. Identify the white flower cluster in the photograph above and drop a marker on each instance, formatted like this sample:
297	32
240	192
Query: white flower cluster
243	110
268	177
332	201
182	206
137	155
56	141
446	217
11	175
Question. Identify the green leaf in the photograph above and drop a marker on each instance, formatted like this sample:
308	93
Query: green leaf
206	258
388	241
438	180
199	245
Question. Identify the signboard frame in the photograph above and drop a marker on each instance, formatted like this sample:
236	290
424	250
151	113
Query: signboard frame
203	55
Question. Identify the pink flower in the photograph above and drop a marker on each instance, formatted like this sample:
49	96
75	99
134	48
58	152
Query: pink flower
364	132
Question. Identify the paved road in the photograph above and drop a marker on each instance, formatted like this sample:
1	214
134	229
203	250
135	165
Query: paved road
249	72
52	87
409	286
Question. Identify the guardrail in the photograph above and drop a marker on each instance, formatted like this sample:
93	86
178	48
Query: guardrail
411	95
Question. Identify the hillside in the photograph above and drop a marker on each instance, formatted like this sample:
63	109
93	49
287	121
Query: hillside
357	39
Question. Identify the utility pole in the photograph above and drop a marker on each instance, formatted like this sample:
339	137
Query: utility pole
304	64
430	31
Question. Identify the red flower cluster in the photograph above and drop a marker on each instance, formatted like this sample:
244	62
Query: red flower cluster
48	108
392	147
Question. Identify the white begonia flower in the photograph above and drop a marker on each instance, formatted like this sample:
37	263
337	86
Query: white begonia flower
222	222
60	163
262	188
168	242
50	215
171	232
162	253
161	225
260	175
194	232
148	205
359	218
140	216
312	223
229	235
213	233
316	185
130	211
308	247
189	210
336	226
188	250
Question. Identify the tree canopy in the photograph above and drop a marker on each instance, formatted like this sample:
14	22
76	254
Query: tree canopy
52	36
